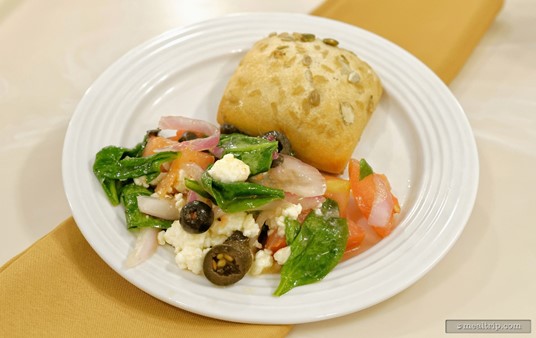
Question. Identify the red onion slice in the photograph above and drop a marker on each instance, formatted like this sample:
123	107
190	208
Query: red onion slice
199	126
295	177
145	247
158	207
307	203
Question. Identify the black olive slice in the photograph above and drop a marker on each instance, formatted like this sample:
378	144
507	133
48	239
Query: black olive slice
228	128
237	238
196	217
188	136
284	146
152	133
263	235
226	264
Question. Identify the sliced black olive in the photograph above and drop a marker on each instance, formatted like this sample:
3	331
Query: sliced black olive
283	146
187	136
228	128
237	238
227	263
196	217
152	132
263	235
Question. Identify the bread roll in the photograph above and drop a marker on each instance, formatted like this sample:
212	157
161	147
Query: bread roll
321	96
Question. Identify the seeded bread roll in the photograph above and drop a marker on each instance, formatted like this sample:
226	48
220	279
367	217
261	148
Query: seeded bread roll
321	96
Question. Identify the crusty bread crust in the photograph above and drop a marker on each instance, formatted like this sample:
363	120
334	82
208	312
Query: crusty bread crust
321	96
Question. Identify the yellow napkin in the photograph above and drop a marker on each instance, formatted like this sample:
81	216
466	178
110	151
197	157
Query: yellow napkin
59	287
441	33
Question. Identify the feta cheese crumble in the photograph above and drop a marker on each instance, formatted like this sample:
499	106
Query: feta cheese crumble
191	258
281	256
263	260
190	249
292	211
229	169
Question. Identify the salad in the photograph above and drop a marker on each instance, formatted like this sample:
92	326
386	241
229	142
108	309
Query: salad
232	204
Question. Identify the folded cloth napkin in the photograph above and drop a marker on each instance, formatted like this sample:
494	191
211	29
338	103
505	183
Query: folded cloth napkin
59	287
441	33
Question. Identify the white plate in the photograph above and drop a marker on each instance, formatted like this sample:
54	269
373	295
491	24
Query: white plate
419	136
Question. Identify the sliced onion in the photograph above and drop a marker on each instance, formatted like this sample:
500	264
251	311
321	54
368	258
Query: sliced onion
192	171
192	196
264	216
158	207
217	152
307	203
295	177
382	207
145	247
199	126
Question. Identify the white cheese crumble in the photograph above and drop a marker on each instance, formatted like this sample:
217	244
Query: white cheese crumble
241	221
180	201
190	249
229	169
281	256
160	237
291	211
180	239
263	260
191	258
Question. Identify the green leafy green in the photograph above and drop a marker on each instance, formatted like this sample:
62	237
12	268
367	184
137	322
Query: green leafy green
330	208
114	165
364	169
315	251
256	152
135	218
237	196
111	163
198	188
292	228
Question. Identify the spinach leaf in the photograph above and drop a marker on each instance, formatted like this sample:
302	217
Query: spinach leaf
116	164
197	187
330	208
237	196
135	218
292	228
111	163
315	251
112	188
256	152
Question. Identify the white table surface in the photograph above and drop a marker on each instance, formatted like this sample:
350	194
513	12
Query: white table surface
51	51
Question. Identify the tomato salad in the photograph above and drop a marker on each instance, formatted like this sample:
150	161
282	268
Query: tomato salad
232	204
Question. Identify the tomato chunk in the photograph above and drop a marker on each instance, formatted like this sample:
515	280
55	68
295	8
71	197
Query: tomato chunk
186	156
338	189
275	242
154	143
356	235
374	199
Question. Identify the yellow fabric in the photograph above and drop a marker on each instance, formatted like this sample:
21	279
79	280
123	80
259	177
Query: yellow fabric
441	33
59	287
